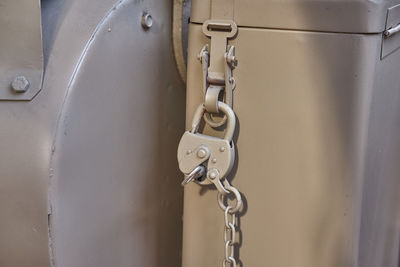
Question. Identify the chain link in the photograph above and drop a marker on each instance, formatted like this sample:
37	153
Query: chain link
229	236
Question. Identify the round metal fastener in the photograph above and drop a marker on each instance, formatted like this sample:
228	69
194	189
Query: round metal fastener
147	21
213	174
201	153
239	201
20	84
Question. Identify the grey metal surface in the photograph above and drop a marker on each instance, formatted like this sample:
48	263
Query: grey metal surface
21	52
317	153
355	16
380	221
28	129
391	40
27	132
393	16
115	193
180	28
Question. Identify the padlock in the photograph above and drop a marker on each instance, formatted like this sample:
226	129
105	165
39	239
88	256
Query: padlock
217	155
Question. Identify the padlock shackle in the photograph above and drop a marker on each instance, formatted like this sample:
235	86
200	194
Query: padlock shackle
226	109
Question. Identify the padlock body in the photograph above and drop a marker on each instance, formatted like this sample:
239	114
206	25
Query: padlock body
221	158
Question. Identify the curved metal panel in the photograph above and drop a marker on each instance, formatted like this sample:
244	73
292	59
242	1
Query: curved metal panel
27	133
115	201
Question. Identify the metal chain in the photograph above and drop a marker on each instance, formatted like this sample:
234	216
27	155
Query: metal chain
230	232
229	238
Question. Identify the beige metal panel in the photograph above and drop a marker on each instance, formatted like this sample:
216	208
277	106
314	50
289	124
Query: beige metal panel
302	102
115	197
26	134
327	15
21	52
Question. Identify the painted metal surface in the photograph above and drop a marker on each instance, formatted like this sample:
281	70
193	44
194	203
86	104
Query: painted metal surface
27	134
180	27
318	115
21	52
115	199
29	127
391	40
356	16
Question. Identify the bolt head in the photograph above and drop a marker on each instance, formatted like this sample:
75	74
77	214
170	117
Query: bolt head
201	153
20	84
147	21
232	61
212	175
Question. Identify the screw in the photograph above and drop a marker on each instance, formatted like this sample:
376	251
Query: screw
147	21
222	149
20	84
201	153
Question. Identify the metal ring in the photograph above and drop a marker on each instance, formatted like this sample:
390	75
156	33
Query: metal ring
212	123
238	197
230	120
231	261
195	174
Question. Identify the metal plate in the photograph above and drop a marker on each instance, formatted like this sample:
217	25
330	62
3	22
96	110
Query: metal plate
318	154
115	193
21	52
353	16
392	43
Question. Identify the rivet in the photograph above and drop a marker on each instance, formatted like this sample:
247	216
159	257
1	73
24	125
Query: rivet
201	153
212	175
214	160
147	21
20	84
222	149
188	152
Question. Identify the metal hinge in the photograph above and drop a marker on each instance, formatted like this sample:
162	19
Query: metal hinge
392	31
391	40
218	65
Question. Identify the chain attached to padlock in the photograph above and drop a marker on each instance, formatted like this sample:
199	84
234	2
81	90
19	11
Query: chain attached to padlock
205	159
